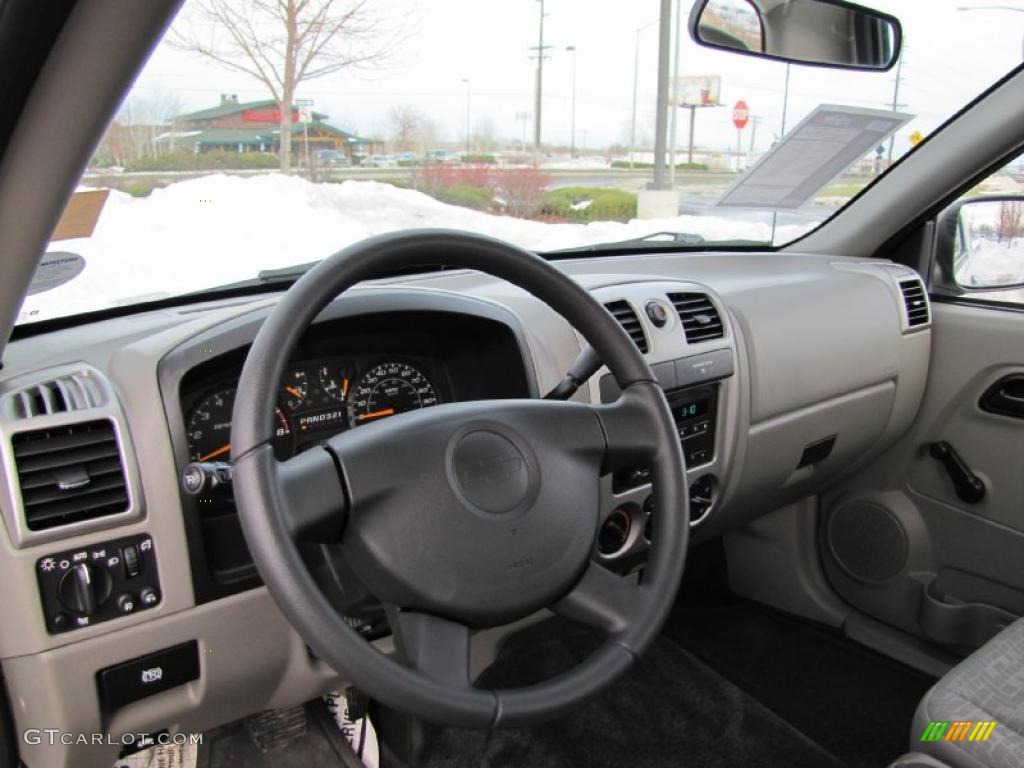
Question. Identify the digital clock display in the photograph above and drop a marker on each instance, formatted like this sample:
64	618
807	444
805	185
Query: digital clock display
691	409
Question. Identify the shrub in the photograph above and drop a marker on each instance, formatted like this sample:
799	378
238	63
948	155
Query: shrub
605	204
214	160
480	159
522	189
477	198
649	166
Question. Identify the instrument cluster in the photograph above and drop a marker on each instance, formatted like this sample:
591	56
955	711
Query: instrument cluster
317	399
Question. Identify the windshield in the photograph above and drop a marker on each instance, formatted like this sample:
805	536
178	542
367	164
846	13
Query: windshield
533	122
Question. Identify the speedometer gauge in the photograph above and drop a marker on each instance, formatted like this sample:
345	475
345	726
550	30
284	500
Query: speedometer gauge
388	389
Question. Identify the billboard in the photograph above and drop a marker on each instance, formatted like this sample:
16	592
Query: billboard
696	91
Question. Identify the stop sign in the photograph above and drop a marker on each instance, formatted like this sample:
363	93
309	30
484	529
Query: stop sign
740	115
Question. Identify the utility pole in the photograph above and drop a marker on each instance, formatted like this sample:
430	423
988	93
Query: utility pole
661	120
675	95
539	86
896	95
785	103
465	82
572	139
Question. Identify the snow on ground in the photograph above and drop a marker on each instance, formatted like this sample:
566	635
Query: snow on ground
220	229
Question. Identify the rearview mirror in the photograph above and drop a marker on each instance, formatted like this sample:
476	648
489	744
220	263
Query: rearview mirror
983	242
826	33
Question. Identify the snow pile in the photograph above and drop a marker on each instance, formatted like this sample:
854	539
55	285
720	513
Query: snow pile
220	229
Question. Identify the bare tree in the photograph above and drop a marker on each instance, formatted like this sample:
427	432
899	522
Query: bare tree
283	43
405	124
1011	221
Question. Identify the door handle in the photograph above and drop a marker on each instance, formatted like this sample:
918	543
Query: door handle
1005	397
968	486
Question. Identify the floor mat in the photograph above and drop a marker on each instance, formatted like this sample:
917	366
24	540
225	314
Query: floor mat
855	703
232	746
671	710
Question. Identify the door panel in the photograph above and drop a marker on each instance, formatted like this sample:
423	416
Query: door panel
897	541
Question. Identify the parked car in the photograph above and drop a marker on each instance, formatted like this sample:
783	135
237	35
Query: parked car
330	157
380	161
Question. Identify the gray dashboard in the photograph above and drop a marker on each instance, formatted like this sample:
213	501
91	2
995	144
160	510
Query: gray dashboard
818	370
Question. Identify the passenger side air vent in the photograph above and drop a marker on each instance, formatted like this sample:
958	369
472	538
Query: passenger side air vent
70	473
627	318
63	394
915	301
700	318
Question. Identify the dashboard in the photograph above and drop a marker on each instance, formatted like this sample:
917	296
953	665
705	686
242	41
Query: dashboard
782	371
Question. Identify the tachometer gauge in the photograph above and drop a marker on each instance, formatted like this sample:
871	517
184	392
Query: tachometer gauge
388	389
296	387
208	430
334	381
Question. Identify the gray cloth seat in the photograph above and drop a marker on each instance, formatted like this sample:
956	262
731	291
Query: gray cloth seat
986	686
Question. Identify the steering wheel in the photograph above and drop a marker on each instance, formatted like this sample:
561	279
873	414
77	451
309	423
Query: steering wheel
463	515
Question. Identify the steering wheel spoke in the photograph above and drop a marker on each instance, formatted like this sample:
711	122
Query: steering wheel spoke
605	600
314	503
439	648
629	429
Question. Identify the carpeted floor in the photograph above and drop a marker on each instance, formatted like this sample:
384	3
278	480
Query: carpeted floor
855	703
672	710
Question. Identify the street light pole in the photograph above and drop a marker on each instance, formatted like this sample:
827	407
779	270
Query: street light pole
675	96
636	87
572	139
465	82
661	118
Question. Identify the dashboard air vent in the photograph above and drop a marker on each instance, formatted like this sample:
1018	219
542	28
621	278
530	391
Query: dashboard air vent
700	318
73	392
70	473
915	302
627	318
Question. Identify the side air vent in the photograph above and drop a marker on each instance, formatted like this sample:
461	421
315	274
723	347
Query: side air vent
74	392
915	302
627	318
700	318
69	474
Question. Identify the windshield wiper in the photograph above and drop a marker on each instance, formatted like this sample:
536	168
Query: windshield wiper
667	240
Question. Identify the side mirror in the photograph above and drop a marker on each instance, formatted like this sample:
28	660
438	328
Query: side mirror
980	243
826	33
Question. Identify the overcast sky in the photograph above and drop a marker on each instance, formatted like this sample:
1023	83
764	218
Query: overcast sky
950	56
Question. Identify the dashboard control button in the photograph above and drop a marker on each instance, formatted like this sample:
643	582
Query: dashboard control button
149	596
126	603
133	680
130	558
84	588
657	313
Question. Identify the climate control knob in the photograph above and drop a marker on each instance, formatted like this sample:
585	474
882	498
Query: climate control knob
84	588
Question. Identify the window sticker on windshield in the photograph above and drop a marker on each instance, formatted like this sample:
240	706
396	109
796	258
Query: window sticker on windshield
55	269
81	214
819	149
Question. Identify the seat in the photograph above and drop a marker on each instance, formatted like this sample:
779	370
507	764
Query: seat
986	686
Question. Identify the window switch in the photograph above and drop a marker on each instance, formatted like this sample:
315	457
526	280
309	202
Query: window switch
132	563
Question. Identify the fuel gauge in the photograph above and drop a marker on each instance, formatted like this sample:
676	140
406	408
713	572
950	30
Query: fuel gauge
334	381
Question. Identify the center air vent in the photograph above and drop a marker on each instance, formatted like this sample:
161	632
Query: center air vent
627	318
915	302
69	474
700	318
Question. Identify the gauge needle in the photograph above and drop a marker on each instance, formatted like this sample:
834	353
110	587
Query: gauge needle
344	388
214	454
293	392
376	414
